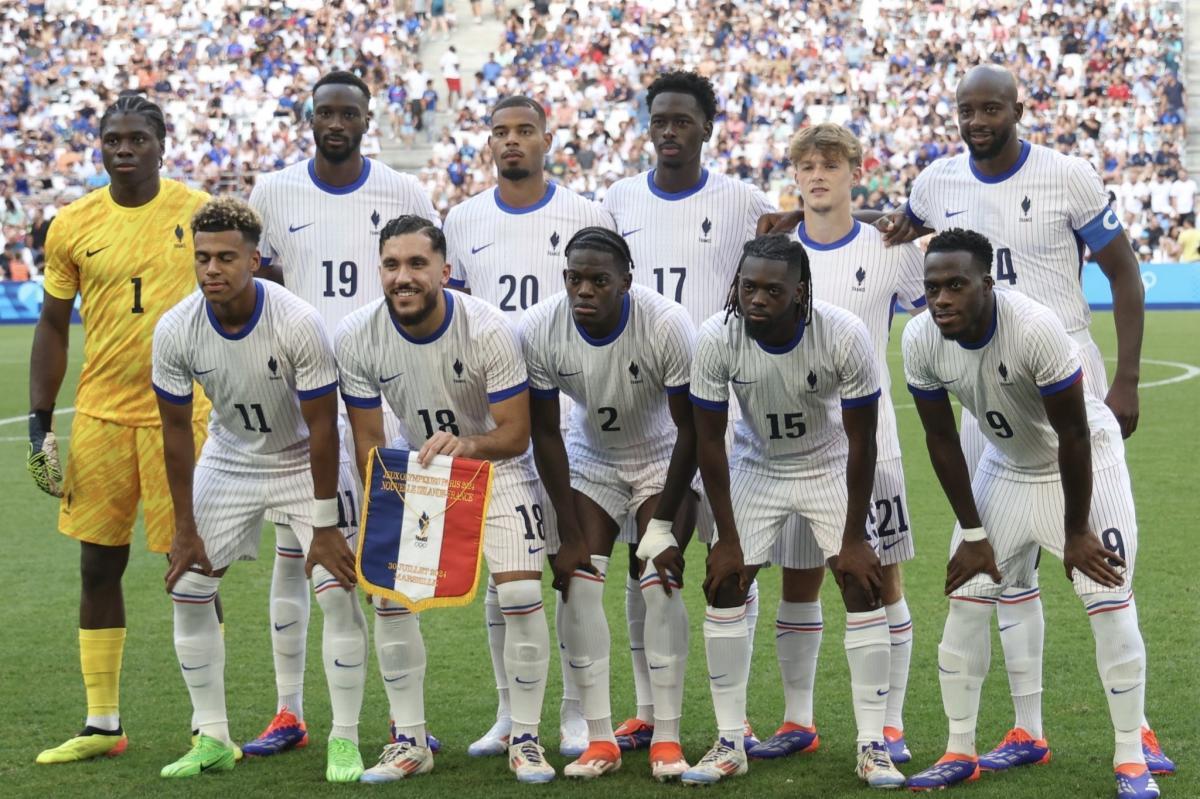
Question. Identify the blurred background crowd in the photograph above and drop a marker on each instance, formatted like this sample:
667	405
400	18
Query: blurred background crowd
234	78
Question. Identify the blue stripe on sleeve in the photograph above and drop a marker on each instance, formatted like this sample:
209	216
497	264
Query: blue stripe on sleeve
543	393
314	393
174	399
1061	385
1101	230
503	394
455	283
858	402
708	405
361	402
680	389
909	213
927	394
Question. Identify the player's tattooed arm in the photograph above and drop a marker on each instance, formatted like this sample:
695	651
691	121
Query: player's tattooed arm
1067	414
179	453
550	455
857	561
329	547
1120	266
366	425
950	466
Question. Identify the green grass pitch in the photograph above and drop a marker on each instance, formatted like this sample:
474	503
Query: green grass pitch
42	701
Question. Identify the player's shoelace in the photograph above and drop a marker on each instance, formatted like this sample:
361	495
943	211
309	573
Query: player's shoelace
719	751
532	752
395	751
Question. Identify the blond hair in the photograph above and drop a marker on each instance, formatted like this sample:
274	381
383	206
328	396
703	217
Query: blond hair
228	213
826	138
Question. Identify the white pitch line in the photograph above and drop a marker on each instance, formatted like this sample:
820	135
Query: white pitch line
24	416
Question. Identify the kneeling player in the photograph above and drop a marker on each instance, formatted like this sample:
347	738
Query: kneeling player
623	354
1011	363
804	375
450	367
264	359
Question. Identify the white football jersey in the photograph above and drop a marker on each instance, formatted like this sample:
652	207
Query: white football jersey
1025	356
326	238
860	274
686	246
513	257
620	383
791	396
255	378
1038	217
446	381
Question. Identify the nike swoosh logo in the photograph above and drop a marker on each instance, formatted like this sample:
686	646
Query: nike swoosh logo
383	379
1009	626
948	382
206	766
279	627
717	676
535	550
395	679
192	668
477	250
881	693
743	382
495	624
198	372
571	663
955	213
630	232
342	665
570	374
886	547
1115	692
526	682
90	253
946	671
297	228
656	668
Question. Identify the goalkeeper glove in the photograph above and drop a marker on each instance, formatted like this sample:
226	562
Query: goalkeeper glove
43	462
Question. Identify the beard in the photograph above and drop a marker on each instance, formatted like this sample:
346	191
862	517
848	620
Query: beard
515	173
998	144
411	318
340	156
756	330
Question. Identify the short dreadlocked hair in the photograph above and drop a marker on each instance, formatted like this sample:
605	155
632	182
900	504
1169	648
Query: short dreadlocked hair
773	247
957	239
228	213
603	240
133	103
681	82
411	223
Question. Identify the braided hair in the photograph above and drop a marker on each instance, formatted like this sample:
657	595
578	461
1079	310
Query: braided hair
603	240
133	103
773	247
411	223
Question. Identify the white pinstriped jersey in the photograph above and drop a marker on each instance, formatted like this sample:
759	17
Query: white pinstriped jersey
513	257
1038	217
255	377
1026	355
686	245
620	383
865	277
446	381
326	238
791	396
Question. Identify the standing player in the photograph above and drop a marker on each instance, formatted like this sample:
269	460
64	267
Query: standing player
804	375
685	227
622	353
461	391
264	358
126	250
1055	451
854	270
321	222
1038	208
506	247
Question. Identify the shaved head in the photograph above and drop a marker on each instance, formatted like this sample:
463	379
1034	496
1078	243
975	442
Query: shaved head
990	78
988	113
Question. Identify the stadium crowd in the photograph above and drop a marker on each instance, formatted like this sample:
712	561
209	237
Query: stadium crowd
233	79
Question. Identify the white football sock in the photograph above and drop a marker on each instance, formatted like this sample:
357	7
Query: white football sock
570	708
201	652
963	659
1121	659
798	631
344	650
401	652
1133	606
526	652
587	640
868	651
666	653
1022	631
752	612
289	620
727	645
900	631
635	618
495	631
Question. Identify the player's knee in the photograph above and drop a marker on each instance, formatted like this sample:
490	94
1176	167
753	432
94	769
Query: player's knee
857	599
520	600
729	593
802	585
635	566
101	568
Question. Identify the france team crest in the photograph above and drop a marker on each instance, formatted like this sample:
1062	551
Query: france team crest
420	538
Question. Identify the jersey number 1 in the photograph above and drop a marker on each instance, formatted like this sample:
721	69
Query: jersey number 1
137	295
347	276
660	279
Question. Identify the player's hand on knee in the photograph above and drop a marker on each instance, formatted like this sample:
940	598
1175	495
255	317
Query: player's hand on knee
971	558
858	562
42	460
724	561
1084	551
572	556
187	551
330	550
668	564
896	227
1122	400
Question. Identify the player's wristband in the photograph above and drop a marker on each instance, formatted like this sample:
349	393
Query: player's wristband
973	534
325	512
658	538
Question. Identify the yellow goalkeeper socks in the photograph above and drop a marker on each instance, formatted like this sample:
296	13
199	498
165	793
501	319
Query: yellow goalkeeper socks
100	653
